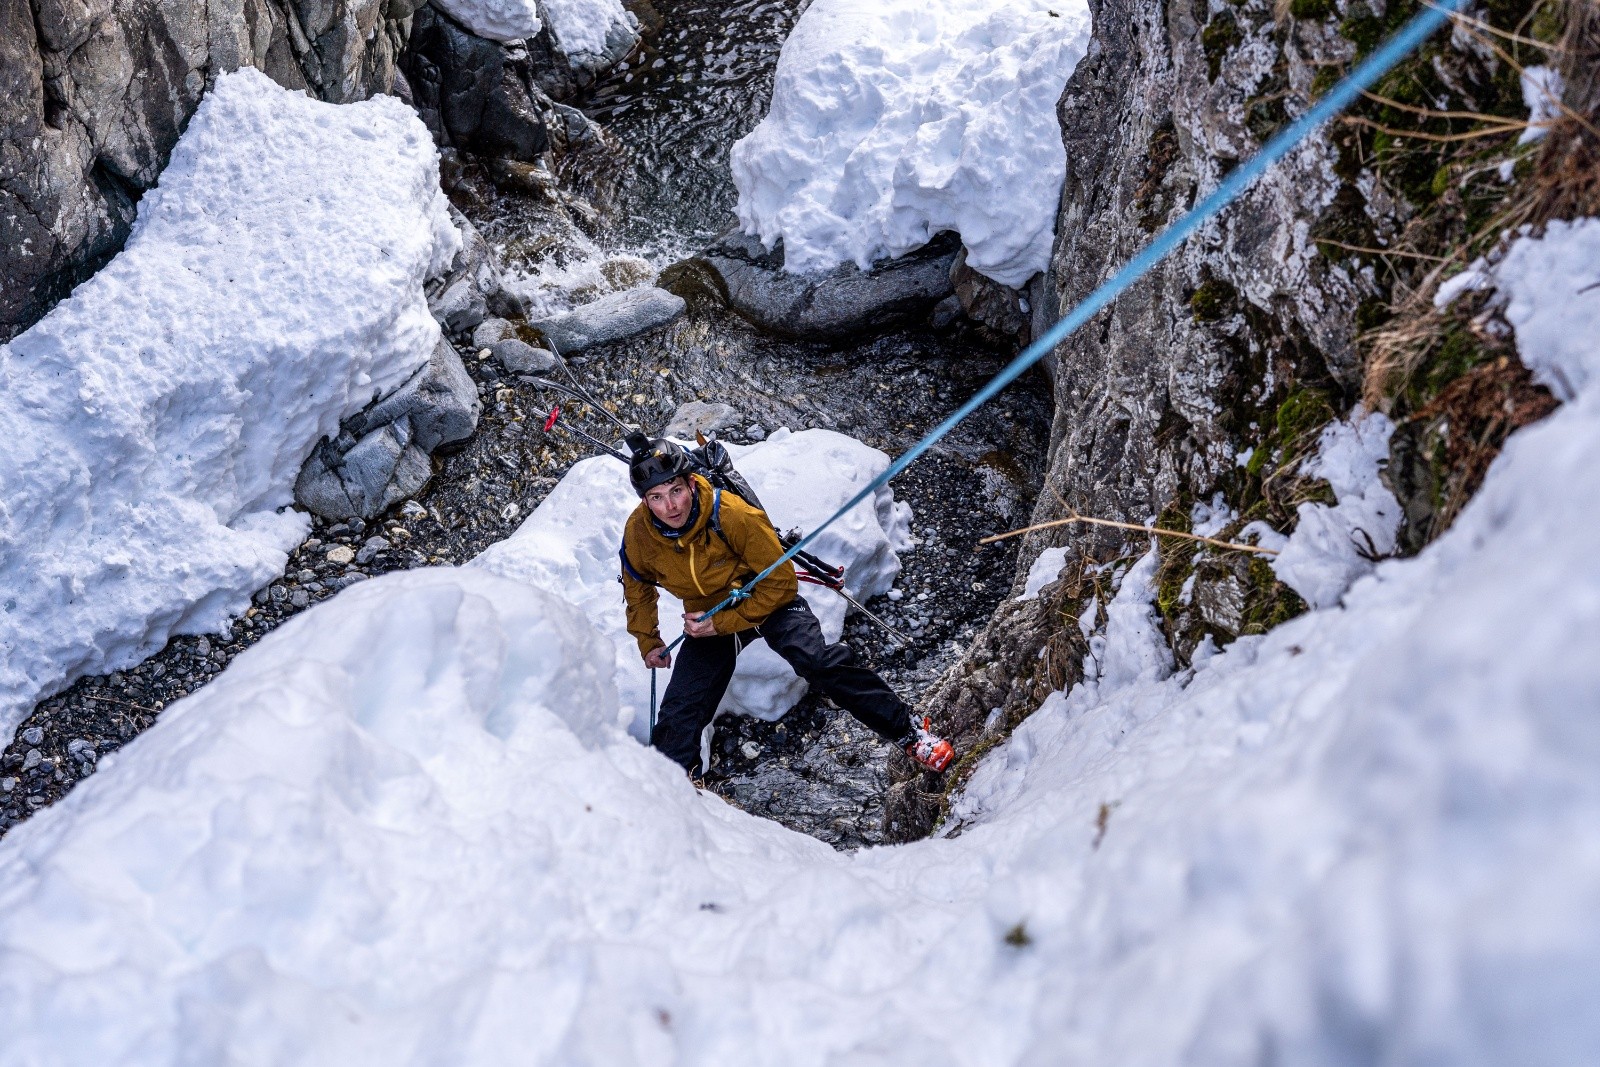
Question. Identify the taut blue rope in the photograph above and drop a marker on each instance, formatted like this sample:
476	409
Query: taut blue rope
1233	186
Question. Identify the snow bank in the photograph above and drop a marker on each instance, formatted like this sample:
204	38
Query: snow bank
568	546
404	828
894	120
156	420
495	20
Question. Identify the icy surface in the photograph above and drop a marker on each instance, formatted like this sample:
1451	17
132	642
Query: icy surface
496	20
155	421
1333	546
894	120
406	828
569	547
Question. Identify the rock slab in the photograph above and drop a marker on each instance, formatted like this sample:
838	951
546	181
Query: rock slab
381	456
613	317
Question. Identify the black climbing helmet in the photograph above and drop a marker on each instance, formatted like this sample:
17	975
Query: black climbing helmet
655	461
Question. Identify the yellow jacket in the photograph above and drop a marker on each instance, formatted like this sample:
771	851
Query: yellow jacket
701	568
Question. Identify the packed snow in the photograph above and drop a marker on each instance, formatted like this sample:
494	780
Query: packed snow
569	546
1541	94
156	419
495	20
1045	568
590	30
894	120
408	827
1333	546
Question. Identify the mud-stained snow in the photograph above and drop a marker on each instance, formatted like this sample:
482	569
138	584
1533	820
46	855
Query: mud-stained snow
569	546
894	120
155	420
408	827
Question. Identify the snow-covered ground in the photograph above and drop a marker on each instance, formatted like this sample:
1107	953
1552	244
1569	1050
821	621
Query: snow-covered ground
407	828
894	120
568	546
155	421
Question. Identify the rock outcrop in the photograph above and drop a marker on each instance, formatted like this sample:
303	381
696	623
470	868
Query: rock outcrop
93	95
382	456
830	305
1214	372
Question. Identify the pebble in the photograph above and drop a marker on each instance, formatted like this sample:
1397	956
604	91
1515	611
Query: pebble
370	550
7	784
305	576
202	647
300	598
341	554
32	759
33	735
750	749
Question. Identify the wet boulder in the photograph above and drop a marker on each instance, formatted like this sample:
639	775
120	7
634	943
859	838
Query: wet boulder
381	455
519	357
471	92
613	317
829	305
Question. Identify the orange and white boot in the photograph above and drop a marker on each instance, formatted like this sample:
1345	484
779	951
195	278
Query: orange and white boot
926	748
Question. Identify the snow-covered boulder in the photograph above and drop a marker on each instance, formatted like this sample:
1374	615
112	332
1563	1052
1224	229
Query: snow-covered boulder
569	546
894	120
495	20
156	420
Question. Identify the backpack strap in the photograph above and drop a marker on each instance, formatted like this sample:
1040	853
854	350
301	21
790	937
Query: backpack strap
716	518
622	552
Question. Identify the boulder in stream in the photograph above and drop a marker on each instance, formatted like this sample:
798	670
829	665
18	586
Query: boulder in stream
828	305
381	456
613	317
702	416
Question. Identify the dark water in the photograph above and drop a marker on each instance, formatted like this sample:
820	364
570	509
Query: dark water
676	110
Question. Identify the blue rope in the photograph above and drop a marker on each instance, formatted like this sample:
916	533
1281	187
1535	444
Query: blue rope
1341	96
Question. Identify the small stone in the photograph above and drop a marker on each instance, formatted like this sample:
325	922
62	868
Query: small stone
370	550
277	592
32	759
756	432
305	576
33	735
750	749
7	784
509	512
413	510
341	554
202	647
300	598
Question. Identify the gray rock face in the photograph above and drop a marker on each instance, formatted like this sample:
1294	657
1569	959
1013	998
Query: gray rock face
830	305
93	95
698	415
1158	395
381	455
613	317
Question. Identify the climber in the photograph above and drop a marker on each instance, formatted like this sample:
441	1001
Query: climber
699	543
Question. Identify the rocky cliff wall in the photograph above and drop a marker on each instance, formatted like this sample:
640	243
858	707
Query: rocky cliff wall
1215	373
93	95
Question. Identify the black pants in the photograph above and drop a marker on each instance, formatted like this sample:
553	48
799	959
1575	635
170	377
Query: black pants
704	666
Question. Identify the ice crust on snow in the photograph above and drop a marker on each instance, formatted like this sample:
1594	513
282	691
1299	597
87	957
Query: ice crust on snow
1333	546
894	120
406	827
497	20
569	547
156	419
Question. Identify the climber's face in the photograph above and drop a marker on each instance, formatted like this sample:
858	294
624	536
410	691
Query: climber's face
670	502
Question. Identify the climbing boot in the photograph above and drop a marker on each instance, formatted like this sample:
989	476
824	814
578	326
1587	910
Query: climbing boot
926	748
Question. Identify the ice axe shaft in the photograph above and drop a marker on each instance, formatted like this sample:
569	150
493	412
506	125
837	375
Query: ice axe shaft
900	638
552	419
